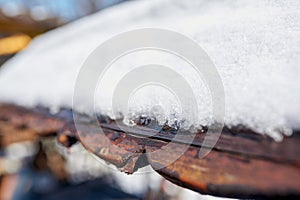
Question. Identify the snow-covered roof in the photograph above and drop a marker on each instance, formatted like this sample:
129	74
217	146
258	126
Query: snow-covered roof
255	46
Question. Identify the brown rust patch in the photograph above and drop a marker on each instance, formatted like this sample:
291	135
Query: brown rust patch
240	165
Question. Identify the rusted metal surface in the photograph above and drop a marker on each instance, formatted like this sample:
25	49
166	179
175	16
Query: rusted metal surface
19	124
242	164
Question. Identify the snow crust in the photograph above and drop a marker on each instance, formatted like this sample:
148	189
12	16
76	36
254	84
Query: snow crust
255	46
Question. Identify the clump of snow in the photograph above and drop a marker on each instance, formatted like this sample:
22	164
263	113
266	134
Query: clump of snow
255	46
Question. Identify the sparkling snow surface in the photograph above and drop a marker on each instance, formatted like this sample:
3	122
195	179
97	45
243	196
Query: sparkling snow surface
255	46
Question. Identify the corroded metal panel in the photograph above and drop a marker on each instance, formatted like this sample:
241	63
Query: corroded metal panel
242	164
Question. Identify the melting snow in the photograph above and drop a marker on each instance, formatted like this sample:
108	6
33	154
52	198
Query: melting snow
255	46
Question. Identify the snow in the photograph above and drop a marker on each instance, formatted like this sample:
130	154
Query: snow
255	46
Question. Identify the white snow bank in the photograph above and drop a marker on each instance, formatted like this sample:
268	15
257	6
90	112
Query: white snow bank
254	44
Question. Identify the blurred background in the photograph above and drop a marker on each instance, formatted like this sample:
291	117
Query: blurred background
22	20
39	168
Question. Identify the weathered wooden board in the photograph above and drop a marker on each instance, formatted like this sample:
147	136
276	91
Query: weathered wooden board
242	164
